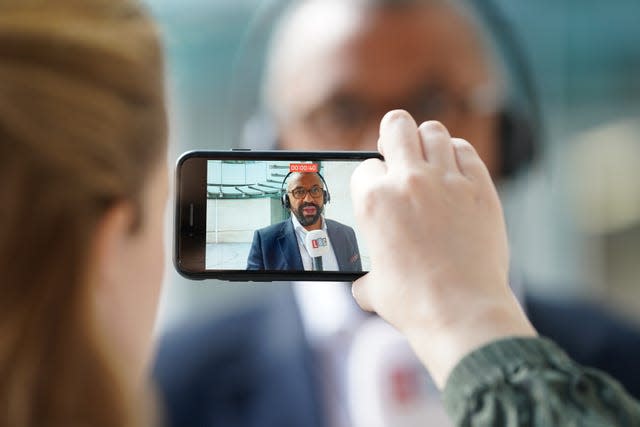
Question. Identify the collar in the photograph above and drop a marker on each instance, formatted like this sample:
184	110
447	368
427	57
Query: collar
300	229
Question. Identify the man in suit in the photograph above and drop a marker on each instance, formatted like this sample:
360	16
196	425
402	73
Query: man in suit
335	68
282	246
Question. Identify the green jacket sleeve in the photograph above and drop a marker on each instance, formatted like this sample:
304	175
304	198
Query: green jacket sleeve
532	382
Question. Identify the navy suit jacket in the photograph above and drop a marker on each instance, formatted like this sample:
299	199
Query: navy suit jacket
276	248
250	368
255	368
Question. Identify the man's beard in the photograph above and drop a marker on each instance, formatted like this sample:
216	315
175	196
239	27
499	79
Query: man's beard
306	221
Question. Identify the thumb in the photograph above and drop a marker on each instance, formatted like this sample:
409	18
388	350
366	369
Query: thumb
361	291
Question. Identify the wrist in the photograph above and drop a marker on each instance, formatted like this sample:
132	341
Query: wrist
466	327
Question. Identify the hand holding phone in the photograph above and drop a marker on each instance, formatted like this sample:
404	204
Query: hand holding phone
440	270
268	216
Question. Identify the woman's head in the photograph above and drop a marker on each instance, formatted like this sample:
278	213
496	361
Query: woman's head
82	189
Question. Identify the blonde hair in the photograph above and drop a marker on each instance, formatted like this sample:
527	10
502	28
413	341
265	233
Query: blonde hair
82	123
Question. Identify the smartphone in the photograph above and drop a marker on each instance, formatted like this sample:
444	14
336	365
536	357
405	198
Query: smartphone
265	216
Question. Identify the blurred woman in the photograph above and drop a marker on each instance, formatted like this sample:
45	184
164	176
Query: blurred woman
82	193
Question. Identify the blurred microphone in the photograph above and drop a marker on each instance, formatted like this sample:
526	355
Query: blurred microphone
386	384
317	245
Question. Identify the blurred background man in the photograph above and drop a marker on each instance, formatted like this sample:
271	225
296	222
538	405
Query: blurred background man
307	355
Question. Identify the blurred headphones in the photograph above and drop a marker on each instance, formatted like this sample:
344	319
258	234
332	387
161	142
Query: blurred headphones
284	198
520	123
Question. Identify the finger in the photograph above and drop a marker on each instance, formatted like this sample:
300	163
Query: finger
399	142
360	292
363	178
468	161
367	170
436	143
365	174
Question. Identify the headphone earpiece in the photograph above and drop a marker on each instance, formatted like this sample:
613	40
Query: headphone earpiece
518	144
286	203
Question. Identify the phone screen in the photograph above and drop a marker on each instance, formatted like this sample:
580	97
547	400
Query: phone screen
279	219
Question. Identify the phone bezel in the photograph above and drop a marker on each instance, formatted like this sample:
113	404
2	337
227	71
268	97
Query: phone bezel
189	238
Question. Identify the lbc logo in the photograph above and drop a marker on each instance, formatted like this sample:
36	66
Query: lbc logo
319	243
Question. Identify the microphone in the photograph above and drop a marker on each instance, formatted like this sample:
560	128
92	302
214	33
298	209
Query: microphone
317	245
386	384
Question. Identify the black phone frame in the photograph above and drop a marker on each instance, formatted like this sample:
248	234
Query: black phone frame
190	206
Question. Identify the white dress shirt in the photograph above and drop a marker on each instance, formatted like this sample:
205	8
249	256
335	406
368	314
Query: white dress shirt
329	260
330	318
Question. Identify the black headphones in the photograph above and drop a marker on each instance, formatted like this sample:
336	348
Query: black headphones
284	198
520	122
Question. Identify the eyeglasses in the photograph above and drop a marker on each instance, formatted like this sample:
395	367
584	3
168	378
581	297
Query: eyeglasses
301	193
347	117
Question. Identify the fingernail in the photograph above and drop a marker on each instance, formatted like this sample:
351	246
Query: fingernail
392	116
434	126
